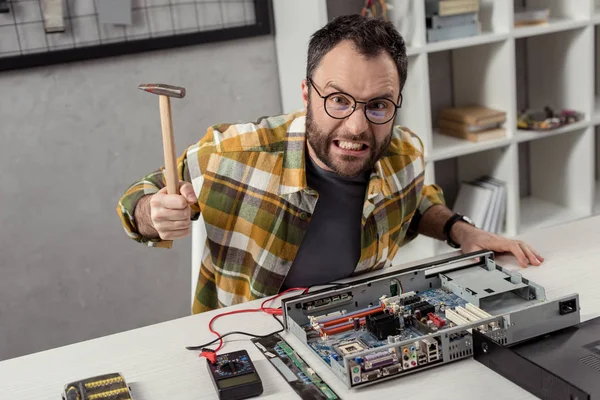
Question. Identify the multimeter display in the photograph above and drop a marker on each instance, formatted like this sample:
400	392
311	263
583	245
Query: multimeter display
234	376
238	380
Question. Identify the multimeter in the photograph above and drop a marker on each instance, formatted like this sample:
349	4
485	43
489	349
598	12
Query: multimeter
234	376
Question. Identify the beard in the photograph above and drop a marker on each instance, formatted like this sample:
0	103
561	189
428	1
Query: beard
343	165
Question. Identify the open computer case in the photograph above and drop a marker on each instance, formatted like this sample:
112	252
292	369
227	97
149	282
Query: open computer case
405	320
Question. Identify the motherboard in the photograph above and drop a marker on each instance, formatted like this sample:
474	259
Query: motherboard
395	319
397	323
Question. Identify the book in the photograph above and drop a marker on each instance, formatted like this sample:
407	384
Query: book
450	7
438	22
473	201
484	201
495	216
489	134
453	32
532	17
474	115
467	128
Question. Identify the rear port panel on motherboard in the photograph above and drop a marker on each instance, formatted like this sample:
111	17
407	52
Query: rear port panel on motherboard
408	320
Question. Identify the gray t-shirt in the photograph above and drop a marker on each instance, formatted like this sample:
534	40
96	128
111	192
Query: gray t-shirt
331	246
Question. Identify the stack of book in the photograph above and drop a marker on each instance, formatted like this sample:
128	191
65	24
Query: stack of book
474	123
484	201
451	19
537	16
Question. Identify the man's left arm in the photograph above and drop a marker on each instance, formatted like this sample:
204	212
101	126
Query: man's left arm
435	214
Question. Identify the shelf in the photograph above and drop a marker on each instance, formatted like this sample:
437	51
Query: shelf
537	213
483	38
413	50
525	135
554	25
445	147
596	209
548	174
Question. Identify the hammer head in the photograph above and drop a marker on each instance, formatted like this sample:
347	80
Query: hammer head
164	90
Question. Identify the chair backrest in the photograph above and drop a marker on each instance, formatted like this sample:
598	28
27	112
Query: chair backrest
198	241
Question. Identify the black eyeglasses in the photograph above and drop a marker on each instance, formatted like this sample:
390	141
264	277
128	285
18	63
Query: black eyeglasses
340	105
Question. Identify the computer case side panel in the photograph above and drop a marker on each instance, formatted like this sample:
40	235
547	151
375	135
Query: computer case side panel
523	372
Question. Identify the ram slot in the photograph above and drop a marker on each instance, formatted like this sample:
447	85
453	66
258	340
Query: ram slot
326	317
351	316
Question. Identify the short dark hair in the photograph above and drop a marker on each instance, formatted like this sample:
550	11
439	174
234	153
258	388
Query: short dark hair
369	35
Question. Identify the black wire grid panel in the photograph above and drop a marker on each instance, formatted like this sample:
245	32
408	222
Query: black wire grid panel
156	25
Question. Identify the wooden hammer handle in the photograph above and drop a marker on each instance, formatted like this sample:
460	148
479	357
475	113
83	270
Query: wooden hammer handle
168	145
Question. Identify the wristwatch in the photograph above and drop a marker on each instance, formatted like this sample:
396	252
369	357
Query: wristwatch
450	223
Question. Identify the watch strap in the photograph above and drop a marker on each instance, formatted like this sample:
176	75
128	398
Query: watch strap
448	226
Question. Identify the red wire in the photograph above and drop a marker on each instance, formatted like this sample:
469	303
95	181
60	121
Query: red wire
268	310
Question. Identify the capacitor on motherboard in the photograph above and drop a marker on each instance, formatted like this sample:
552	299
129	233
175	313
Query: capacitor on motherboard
356	324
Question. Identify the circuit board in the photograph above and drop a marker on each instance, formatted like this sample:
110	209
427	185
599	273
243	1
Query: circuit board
342	334
440	297
325	348
398	323
303	379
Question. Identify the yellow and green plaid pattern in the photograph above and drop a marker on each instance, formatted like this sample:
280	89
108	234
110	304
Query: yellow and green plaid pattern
255	203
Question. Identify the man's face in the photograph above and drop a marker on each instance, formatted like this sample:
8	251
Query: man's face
351	145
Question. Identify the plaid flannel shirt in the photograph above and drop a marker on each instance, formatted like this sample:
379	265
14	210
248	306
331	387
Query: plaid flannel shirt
253	197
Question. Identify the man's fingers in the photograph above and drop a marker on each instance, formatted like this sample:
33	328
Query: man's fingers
518	253
165	214
165	226
170	235
537	254
174	202
533	260
187	190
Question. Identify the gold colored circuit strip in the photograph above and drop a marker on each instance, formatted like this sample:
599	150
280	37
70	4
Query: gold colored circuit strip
104	382
110	393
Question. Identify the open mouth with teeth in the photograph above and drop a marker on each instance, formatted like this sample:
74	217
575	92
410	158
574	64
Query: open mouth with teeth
350	146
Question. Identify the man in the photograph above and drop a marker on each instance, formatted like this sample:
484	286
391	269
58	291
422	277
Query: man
309	197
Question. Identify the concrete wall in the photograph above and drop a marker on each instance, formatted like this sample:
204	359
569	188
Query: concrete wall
73	137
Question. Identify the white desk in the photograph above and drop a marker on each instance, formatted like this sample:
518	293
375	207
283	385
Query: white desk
154	359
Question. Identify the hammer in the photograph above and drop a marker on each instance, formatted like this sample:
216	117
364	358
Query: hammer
165	92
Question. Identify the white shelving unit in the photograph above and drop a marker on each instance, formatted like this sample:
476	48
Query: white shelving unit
596	209
551	177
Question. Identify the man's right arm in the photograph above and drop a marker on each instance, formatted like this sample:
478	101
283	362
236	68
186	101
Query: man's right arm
166	216
144	219
149	215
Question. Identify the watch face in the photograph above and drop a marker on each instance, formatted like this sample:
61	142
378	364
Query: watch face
469	220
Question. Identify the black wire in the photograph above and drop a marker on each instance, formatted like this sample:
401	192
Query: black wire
336	285
201	347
